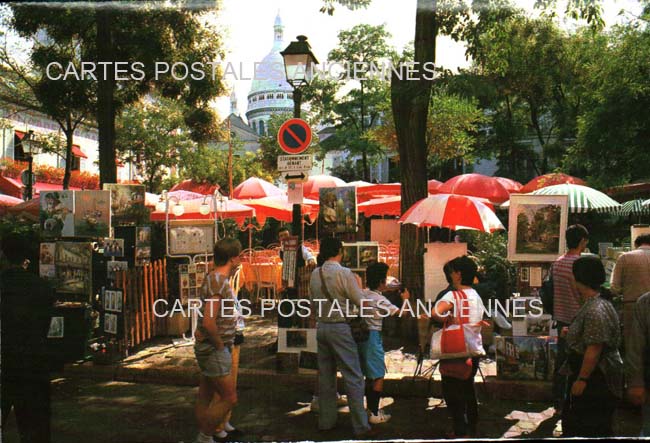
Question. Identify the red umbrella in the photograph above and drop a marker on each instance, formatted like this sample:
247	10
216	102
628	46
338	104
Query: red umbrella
192	210
279	208
7	201
382	206
29	209
511	186
315	182
254	187
556	178
476	185
453	212
433	186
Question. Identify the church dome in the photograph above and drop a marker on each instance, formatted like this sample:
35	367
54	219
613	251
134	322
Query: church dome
270	93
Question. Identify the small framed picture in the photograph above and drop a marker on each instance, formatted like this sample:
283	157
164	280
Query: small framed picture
110	323
56	327
524	274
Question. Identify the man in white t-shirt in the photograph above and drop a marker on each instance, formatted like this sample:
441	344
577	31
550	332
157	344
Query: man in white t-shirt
371	352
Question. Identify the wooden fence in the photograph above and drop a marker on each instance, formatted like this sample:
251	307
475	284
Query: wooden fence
141	287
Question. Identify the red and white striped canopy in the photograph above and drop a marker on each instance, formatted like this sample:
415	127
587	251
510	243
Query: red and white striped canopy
453	212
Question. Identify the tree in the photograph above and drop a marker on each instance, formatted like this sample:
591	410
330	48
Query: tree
410	101
151	134
27	85
106	35
452	130
360	49
613	128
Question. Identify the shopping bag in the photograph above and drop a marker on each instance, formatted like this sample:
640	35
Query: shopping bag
459	368
457	338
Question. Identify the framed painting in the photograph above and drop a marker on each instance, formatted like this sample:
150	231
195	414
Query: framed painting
350	256
74	267
537	224
57	214
127	203
338	209
191	239
92	214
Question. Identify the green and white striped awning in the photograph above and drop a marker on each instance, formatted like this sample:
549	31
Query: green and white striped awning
581	198
634	207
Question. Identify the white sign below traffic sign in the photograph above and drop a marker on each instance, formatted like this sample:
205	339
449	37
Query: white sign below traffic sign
290	163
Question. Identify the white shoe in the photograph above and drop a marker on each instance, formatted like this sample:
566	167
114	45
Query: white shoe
313	406
381	417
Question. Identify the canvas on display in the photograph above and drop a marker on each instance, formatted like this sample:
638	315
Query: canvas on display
92	214
46	265
338	209
73	267
522	358
191	239
127	203
57	214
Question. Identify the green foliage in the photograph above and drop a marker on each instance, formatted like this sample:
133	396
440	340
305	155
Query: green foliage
491	251
613	129
151	134
26	229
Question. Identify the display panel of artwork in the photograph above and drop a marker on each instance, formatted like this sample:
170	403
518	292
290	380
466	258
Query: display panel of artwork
191	279
57	214
46	266
338	209
92	214
360	254
73	267
114	247
114	266
110	323
522	358
113	301
536	227
127	203
191	239
142	245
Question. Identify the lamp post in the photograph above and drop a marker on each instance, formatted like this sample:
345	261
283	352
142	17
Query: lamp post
30	149
299	63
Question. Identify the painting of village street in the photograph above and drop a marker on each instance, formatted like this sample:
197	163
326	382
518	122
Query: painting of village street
73	267
538	229
127	203
522	358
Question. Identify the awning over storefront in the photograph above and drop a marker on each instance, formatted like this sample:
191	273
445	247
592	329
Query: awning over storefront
20	134
77	152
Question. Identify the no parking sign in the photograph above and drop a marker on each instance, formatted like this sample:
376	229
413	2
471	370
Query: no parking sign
294	136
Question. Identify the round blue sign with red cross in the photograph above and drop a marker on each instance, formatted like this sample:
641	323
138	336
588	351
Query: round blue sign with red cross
294	136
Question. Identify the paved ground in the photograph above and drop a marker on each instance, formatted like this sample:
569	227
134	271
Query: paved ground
92	411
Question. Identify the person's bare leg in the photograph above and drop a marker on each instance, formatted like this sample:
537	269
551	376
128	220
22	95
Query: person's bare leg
233	371
220	404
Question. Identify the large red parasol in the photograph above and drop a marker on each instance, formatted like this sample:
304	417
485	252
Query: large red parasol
433	186
279	208
315	182
254	187
226	209
556	178
453	212
7	201
511	185
191	185
476	185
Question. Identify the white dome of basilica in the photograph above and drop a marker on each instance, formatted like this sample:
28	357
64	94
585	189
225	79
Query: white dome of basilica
270	93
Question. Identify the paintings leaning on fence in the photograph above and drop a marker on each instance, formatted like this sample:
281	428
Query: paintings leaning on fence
338	209
191	239
142	245
127	203
73	267
191	279
360	254
537	226
525	358
57	214
92	214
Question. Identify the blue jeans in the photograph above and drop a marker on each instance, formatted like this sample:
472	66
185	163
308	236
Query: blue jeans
337	349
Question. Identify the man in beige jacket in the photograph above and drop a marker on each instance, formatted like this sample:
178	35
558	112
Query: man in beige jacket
631	276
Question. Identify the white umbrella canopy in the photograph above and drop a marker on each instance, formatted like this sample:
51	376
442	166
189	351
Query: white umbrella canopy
581	198
634	207
453	212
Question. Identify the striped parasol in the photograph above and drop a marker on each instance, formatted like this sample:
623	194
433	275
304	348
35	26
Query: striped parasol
634	207
581	198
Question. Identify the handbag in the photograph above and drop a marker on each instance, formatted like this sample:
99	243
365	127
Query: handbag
358	326
457	338
459	368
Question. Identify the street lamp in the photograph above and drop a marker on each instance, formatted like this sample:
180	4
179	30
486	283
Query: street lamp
31	148
299	64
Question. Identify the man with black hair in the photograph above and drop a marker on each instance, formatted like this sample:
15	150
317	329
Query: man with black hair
566	300
309	258
333	288
371	351
26	305
631	276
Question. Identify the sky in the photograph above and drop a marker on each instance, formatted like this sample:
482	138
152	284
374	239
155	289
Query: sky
248	31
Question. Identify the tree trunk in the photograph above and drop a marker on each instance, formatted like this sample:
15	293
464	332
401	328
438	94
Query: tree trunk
105	101
69	140
410	104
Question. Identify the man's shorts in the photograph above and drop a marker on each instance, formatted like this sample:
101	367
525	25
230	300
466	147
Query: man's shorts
213	363
371	354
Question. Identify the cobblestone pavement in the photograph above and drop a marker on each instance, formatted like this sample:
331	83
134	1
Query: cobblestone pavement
92	411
